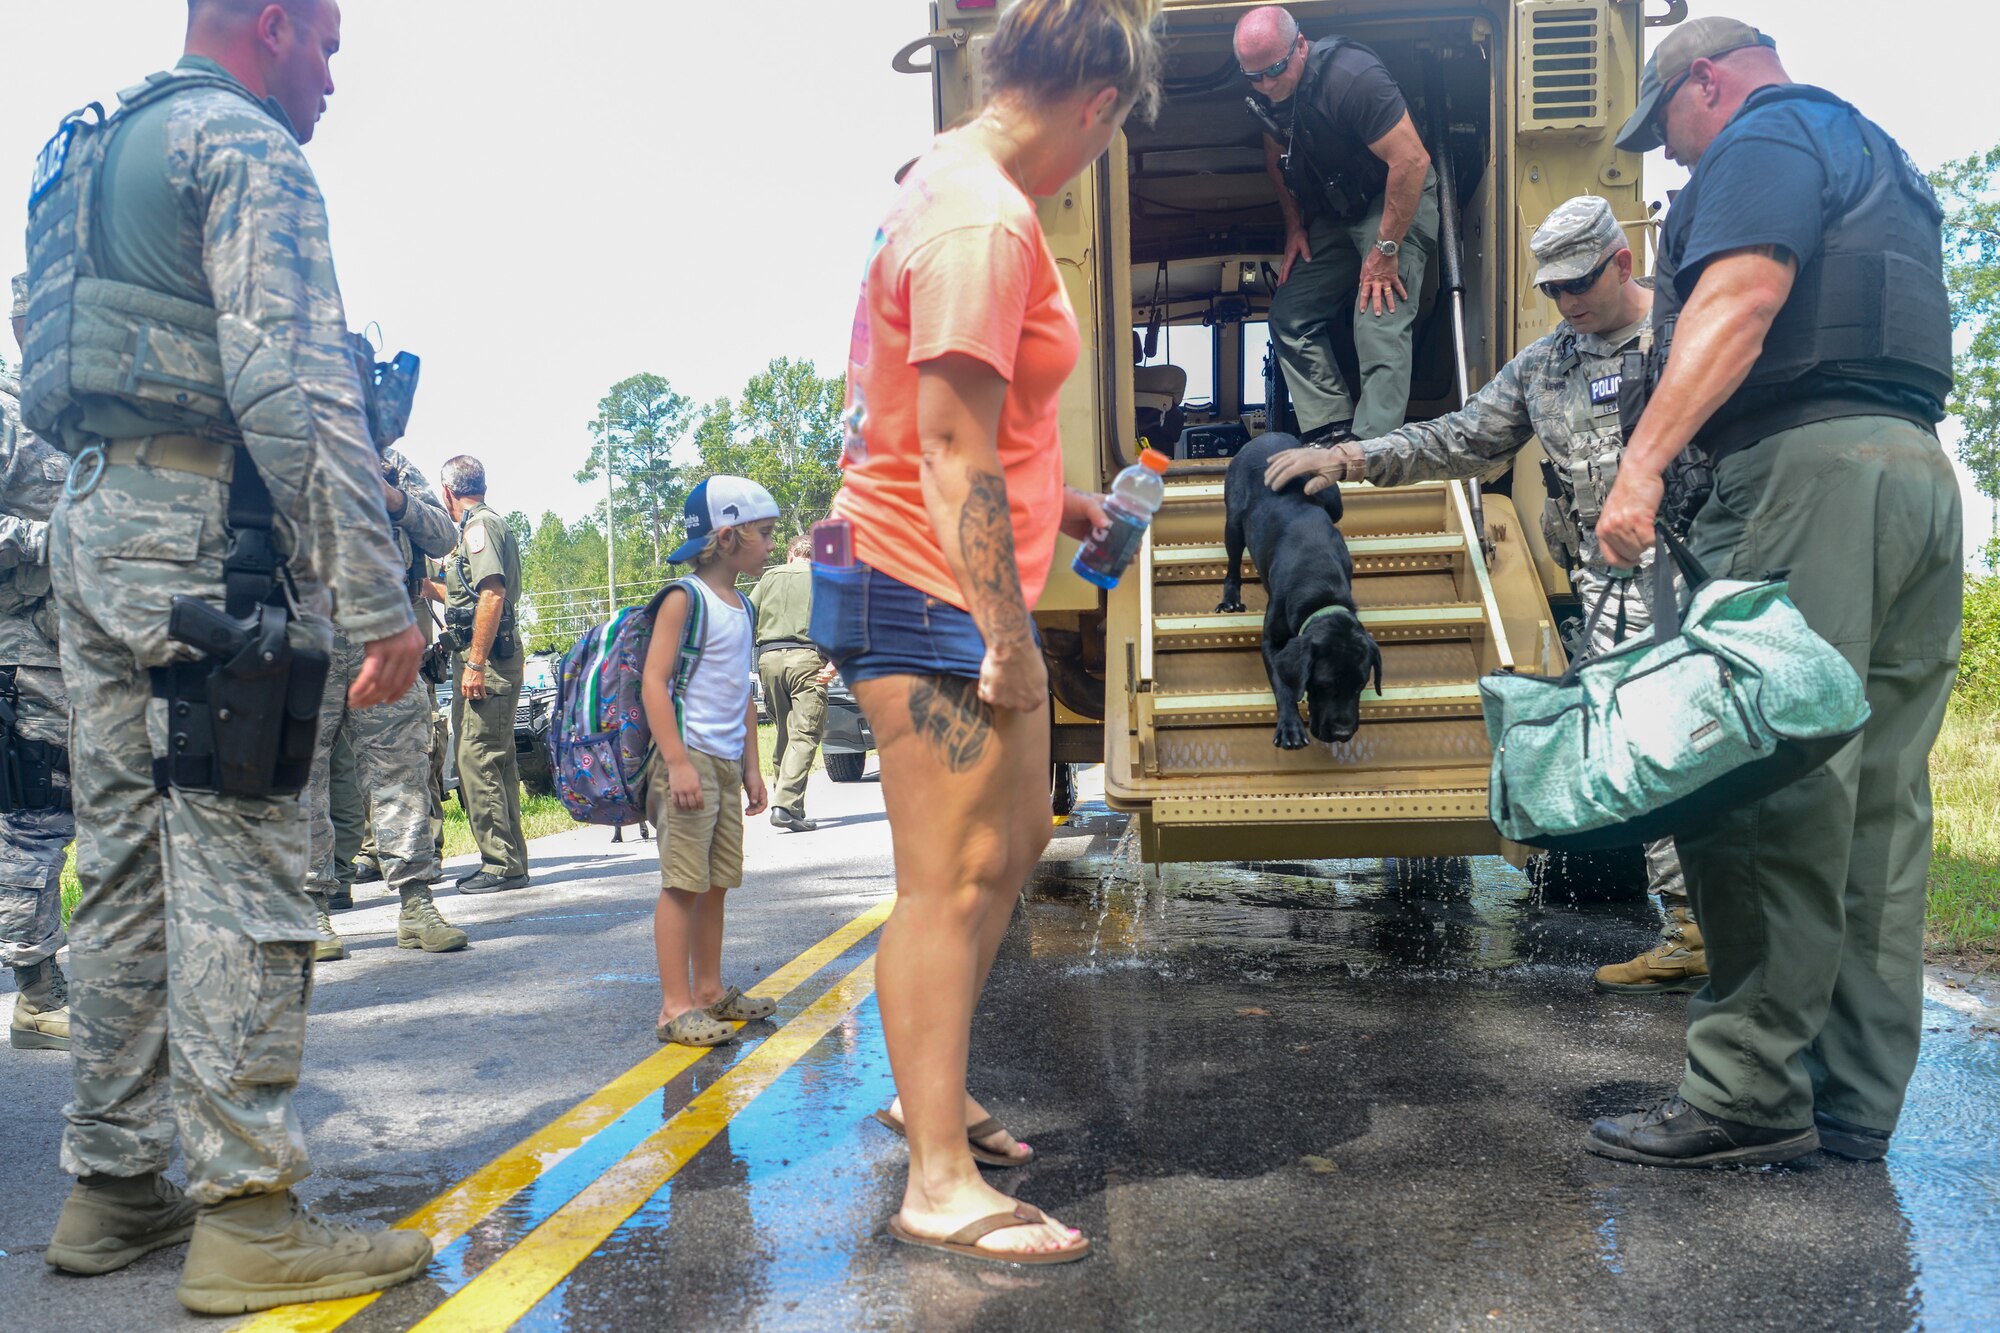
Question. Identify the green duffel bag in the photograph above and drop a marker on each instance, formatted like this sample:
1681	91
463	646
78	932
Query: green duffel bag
1706	713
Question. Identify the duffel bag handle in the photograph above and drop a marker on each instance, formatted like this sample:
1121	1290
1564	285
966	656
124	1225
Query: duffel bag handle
1669	551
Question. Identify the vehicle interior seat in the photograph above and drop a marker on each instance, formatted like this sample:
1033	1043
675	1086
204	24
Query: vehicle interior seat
1156	399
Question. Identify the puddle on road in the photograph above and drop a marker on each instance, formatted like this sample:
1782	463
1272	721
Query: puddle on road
1449	917
1945	1163
1482	922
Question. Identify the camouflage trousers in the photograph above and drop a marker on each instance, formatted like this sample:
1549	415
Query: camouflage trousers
34	843
1624	617
391	744
191	950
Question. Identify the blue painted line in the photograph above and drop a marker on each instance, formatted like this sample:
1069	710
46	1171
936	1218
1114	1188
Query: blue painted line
809	1158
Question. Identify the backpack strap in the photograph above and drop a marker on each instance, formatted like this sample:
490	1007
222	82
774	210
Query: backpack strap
694	638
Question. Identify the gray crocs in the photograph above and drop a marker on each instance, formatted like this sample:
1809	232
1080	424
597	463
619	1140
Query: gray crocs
736	1007
696	1028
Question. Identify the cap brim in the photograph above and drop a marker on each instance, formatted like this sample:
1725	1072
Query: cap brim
1566	270
1639	136
688	550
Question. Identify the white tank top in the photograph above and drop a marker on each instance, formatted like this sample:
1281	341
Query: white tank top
718	694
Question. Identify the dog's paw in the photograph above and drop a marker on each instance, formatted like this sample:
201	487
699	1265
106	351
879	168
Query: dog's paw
1292	734
1228	604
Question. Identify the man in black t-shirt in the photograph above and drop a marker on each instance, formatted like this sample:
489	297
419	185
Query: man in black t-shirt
1361	221
1801	299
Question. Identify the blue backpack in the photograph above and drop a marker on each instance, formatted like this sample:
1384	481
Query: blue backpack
599	740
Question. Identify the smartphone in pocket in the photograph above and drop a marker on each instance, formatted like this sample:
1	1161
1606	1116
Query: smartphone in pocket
833	543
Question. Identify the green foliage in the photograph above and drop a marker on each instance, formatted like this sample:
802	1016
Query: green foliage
1962	913
783	432
639	424
1979	668
1967	188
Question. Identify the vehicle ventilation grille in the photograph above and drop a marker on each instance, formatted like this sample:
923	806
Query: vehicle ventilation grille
1563	66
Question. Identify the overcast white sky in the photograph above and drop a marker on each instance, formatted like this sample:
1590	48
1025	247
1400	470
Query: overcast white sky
541	199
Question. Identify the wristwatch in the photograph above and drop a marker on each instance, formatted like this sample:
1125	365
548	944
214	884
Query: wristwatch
480	667
1387	249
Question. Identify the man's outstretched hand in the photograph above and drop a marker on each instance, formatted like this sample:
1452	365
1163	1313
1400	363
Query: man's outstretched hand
388	668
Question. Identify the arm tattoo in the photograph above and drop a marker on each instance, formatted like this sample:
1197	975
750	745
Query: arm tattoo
949	715
986	540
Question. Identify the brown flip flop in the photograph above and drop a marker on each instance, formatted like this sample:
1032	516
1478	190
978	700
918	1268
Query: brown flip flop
964	1240
983	1130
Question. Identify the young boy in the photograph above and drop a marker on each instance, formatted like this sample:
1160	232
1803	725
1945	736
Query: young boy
704	777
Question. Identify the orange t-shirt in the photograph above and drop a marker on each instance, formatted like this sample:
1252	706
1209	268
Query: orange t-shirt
960	265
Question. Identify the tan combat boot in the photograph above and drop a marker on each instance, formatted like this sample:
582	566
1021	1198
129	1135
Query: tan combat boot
329	948
108	1221
1677	963
41	1010
422	926
267	1250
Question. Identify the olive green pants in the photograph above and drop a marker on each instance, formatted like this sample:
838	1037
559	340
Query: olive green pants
489	776
1811	902
798	709
349	811
1326	288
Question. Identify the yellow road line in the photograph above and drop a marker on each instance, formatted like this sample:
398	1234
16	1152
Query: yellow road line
507	1290
474	1199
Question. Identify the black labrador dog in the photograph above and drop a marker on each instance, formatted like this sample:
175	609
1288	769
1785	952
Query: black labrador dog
1314	645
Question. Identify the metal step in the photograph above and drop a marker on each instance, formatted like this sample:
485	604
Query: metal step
1210	492
1388	624
1239	707
1372	555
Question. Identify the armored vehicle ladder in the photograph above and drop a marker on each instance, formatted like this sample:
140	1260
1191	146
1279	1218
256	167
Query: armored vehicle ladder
1188	726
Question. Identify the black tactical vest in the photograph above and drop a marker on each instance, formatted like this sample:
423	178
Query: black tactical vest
1325	184
1867	327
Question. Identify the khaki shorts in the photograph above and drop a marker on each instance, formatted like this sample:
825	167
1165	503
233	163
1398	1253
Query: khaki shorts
699	849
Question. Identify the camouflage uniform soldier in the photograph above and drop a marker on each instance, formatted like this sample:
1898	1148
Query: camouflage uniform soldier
482	581
35	836
1562	390
209	270
391	744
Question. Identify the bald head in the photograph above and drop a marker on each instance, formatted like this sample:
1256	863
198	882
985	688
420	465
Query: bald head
1265	37
278	49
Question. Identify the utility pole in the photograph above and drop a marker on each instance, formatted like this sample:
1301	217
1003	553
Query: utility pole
610	529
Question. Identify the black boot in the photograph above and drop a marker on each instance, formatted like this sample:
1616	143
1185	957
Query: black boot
1844	1138
1675	1133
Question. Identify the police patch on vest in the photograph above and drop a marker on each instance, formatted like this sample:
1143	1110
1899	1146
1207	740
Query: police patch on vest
1604	389
50	162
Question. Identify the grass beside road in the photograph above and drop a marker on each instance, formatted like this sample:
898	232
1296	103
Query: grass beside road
1963	918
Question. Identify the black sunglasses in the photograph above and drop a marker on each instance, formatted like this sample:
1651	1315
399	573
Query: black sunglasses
1658	121
1266	75
1576	286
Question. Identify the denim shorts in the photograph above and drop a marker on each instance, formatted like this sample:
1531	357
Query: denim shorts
872	625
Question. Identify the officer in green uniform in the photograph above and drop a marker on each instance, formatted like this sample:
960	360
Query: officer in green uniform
482	581
795	676
1806	332
194	358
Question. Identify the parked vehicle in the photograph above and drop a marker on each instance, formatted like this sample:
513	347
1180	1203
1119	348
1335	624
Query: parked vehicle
847	739
533	710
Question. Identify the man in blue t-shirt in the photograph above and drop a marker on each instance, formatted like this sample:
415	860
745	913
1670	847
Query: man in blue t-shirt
1801	301
1361	222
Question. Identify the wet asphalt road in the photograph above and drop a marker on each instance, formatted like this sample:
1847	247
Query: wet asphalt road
1344	1095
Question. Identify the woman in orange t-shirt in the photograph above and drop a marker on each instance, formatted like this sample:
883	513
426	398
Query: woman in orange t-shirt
953	496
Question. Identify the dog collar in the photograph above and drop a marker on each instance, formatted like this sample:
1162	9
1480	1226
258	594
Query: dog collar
1323	611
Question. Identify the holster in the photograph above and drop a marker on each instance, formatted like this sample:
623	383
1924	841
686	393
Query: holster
34	775
242	718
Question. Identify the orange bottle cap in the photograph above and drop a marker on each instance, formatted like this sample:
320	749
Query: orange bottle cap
1155	460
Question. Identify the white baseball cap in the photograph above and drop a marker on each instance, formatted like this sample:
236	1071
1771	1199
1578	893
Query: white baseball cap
719	502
